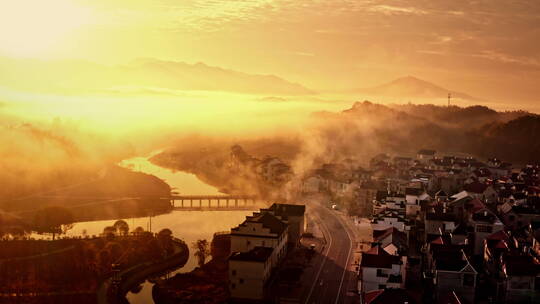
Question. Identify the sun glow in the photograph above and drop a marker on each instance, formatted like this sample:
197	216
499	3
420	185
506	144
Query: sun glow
34	27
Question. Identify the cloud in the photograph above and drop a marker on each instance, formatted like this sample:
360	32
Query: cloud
396	10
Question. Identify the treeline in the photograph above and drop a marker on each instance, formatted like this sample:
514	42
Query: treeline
511	136
77	264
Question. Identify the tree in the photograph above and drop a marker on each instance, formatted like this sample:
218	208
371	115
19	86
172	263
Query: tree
55	220
202	251
164	237
122	228
109	232
138	231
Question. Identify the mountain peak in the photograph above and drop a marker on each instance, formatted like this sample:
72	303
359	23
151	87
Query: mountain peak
413	87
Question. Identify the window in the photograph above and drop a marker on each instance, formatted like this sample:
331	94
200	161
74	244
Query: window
468	280
233	272
241	281
484	228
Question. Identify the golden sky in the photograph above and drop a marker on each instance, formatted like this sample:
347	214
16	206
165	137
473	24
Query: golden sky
486	48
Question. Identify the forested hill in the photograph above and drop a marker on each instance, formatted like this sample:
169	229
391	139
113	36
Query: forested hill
478	130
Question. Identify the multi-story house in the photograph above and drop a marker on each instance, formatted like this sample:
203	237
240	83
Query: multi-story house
512	269
380	270
391	218
483	223
413	197
258	245
293	216
450	268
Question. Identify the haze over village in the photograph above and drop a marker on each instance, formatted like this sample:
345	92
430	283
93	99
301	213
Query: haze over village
269	151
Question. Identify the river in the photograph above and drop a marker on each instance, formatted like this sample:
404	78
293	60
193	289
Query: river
187	225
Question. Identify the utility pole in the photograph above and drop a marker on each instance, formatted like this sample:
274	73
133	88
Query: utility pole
449	97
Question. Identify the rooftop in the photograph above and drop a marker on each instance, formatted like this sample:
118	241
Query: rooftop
288	209
267	220
377	257
521	265
257	254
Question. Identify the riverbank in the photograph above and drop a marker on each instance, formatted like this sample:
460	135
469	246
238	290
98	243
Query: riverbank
238	174
109	292
207	284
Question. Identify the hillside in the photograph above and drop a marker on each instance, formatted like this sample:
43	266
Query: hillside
477	130
476	116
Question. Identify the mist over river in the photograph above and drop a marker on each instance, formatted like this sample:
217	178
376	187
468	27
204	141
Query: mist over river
186	225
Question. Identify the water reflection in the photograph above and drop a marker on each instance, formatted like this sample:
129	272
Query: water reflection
184	183
187	225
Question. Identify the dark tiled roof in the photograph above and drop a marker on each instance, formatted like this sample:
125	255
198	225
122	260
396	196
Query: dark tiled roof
499	235
440	216
271	222
522	265
267	220
257	254
377	257
398	238
413	191
288	209
475	187
441	193
461	229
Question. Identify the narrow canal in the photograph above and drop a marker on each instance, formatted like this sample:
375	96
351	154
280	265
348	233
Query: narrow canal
187	225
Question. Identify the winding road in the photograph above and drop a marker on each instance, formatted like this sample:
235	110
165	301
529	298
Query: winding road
333	276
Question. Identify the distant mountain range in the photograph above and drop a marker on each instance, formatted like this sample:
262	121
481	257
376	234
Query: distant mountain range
146	75
412	87
199	76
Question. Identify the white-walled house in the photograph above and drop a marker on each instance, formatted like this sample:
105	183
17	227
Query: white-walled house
258	245
391	240
391	218
261	230
293	216
413	197
380	270
484	222
481	191
248	273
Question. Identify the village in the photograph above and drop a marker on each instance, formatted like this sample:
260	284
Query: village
446	229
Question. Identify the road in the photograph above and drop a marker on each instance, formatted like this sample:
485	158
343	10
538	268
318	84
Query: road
332	278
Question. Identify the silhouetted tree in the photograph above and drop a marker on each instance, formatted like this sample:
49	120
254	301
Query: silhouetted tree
53	220
109	232
202	251
164	237
122	228
138	231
